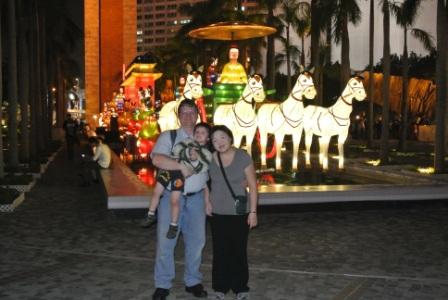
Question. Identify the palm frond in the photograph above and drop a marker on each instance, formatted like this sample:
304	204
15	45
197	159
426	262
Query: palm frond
424	37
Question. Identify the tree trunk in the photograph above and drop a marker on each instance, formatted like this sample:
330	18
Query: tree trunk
40	100
2	162
404	95
60	103
46	126
441	82
345	54
34	95
370	117
302	53
12	87
384	150
288	61
315	38
23	84
270	54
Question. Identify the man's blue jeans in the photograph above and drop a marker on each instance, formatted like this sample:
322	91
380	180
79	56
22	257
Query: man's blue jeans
192	226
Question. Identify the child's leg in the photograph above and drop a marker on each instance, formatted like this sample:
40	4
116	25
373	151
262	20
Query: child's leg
155	198
175	195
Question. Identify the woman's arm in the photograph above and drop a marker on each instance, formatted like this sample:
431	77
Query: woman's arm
251	178
208	203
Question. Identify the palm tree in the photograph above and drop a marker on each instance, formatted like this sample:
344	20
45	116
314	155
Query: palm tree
406	14
23	83
2	173
441	81
270	53
322	13
303	26
316	28
346	11
384	148
12	86
371	79
290	57
289	18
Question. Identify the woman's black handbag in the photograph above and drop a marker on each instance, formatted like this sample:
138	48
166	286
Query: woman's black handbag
241	200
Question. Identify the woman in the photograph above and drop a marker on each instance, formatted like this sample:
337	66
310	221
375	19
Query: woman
230	228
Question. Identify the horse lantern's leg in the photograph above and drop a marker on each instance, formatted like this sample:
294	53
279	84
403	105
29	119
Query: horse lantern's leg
341	141
308	141
263	144
278	145
237	138
324	141
250	133
296	143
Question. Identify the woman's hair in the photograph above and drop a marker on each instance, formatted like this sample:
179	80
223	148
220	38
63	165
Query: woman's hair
207	127
224	129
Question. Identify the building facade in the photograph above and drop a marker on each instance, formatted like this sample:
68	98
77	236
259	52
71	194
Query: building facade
109	44
158	21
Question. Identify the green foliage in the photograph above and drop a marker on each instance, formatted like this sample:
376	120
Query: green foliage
419	66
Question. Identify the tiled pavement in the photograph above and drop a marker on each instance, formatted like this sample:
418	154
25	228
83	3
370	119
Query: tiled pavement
62	243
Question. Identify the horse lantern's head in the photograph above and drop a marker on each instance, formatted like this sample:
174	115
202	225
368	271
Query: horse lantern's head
193	85
304	86
255	83
357	87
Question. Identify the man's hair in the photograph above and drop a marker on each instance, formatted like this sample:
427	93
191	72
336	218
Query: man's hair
93	140
187	103
224	129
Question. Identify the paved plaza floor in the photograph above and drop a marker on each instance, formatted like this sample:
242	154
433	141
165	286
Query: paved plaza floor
63	243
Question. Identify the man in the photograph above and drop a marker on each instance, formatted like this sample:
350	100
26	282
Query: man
102	158
70	127
192	213
233	71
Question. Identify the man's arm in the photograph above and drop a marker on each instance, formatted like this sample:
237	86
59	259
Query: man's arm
165	162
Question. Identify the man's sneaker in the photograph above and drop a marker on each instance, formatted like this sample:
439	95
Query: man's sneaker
217	296
160	294
148	221
243	296
172	232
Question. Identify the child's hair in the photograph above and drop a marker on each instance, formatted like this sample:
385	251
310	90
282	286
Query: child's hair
208	128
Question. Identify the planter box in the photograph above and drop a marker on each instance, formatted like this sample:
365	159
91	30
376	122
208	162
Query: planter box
21	188
13	205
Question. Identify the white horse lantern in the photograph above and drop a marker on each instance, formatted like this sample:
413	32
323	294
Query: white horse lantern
334	120
240	117
168	114
285	118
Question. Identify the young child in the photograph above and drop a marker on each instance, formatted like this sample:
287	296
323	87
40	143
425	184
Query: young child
194	154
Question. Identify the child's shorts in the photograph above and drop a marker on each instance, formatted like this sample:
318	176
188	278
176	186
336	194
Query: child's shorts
175	177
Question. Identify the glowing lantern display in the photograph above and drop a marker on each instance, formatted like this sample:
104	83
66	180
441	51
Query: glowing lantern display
146	176
334	120
168	113
240	117
285	118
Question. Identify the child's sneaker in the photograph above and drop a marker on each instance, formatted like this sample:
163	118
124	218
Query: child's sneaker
148	221
243	296
172	232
